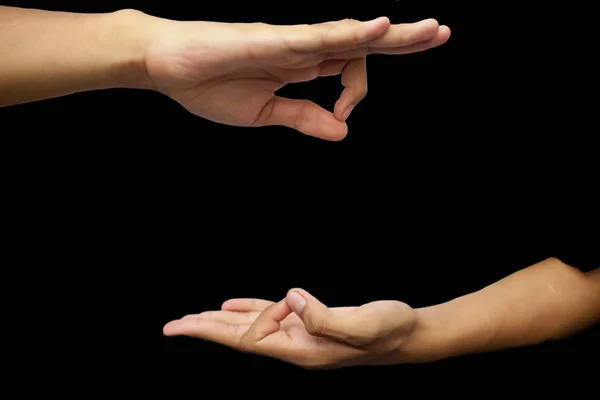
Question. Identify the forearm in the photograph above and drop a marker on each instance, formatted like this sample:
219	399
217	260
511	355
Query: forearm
546	301
49	54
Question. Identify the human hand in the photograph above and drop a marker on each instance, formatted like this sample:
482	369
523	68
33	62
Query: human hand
303	331
229	72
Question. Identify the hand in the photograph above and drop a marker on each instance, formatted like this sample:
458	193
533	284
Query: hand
229	72
303	331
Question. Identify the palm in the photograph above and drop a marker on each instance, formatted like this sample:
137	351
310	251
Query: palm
241	94
272	329
289	341
233	99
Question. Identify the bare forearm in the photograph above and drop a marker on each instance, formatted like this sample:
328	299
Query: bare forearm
49	54
546	301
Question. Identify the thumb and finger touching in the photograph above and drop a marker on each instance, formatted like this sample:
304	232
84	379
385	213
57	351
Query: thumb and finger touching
244	323
354	80
310	118
307	117
355	326
304	116
344	325
268	322
343	38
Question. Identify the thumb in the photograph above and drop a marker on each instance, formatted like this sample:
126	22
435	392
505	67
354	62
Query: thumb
317	318
303	116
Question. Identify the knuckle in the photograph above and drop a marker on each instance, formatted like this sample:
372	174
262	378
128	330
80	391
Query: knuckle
300	120
362	91
553	260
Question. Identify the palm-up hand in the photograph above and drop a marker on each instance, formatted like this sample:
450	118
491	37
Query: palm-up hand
229	72
303	331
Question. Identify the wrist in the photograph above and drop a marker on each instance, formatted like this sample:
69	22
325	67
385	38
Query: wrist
434	337
124	37
429	341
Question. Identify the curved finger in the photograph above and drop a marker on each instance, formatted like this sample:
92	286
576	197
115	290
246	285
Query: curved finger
322	321
229	317
321	69
354	79
332	36
245	304
332	67
303	116
268	322
214	331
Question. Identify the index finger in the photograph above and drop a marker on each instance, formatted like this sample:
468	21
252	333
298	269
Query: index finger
269	321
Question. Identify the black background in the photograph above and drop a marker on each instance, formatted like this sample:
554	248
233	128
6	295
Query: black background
462	165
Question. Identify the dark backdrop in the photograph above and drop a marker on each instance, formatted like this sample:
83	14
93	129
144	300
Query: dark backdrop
463	164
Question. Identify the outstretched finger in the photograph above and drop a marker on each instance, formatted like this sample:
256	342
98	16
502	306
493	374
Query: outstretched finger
268	322
303	116
334	36
243	304
407	34
207	329
229	317
440	38
354	79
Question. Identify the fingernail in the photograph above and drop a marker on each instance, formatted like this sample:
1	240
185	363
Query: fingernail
296	302
347	112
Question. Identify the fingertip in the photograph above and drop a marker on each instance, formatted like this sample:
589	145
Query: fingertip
430	22
172	328
429	28
445	32
226	306
343	108
338	137
376	28
302	292
328	128
333	130
294	290
380	23
295	300
386	21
